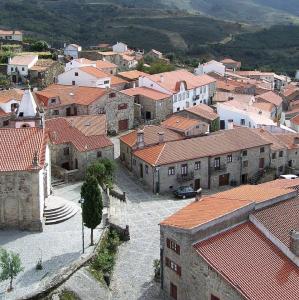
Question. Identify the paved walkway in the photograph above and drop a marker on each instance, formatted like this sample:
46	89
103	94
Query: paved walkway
133	272
59	245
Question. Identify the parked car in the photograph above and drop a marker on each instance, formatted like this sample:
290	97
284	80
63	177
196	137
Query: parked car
185	192
288	176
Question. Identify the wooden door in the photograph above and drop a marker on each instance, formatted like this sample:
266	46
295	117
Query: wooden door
223	179
173	291
123	125
68	111
196	184
262	163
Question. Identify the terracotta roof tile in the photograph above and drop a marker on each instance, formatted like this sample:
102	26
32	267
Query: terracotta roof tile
271	97
151	136
132	75
61	131
104	64
146	92
8	95
203	111
69	94
23	60
289	139
18	148
251	263
9	32
277	144
176	151
94	72
179	123
295	120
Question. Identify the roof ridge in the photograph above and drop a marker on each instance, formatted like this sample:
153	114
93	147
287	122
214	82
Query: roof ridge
160	153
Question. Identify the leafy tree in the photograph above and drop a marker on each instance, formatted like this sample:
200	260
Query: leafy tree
39	46
103	170
93	204
4	81
10	266
110	167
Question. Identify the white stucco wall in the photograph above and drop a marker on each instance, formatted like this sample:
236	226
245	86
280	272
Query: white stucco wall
209	67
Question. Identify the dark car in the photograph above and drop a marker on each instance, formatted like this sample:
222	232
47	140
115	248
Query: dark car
185	192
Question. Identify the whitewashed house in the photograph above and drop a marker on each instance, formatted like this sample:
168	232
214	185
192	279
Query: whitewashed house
11	35
185	88
85	76
18	67
120	47
78	63
72	50
212	66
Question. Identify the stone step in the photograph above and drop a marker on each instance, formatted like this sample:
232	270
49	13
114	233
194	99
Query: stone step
59	214
62	219
48	211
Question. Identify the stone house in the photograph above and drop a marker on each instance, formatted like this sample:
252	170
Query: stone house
231	64
77	142
186	126
150	135
154	105
273	98
132	77
45	72
203	113
202	162
222	245
72	50
63	100
25	178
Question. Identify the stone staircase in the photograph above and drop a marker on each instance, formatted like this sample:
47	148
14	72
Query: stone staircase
58	210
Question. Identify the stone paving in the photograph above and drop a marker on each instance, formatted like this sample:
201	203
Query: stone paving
133	272
59	245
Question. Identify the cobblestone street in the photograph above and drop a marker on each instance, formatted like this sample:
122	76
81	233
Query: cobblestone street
133	272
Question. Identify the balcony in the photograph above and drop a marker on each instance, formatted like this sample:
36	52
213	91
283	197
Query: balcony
185	177
219	169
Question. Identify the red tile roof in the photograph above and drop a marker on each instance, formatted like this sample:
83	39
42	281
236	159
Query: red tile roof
179	123
18	148
176	151
203	111
295	120
8	95
69	94
151	136
104	64
132	75
23	60
146	92
271	97
61	131
170	80
251	263
93	71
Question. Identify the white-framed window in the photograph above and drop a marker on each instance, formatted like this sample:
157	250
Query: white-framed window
197	165
171	171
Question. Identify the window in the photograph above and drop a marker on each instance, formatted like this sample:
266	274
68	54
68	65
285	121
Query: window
229	158
217	163
112	95
280	153
290	163
11	69
53	100
66	151
23	69
245	164
122	106
242	121
73	82
262	149
244	153
173	246
146	169
25	125
99	154
106	82
178	109
21	114
274	155
197	165
76	74
6	123
55	112
171	171
173	266
280	169
184	169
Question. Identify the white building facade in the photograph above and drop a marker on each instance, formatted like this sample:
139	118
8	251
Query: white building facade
120	47
72	50
209	67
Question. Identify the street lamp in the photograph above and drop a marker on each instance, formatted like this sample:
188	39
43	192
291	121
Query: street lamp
81	201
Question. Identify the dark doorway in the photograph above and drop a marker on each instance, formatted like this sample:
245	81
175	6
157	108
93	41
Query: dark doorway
262	163
222	124
244	178
14	78
223	179
141	170
68	111
196	184
66	166
148	115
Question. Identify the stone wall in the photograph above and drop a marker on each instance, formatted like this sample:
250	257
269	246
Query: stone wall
20	205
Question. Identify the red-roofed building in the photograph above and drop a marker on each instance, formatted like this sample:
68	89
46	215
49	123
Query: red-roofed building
185	88
25	177
69	100
235	245
75	143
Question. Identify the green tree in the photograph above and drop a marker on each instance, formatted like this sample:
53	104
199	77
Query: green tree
93	204
110	168
39	46
10	266
103	170
4	81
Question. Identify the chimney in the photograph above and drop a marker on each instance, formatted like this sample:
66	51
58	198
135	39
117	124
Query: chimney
161	78
161	137
140	139
294	242
230	124
296	140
